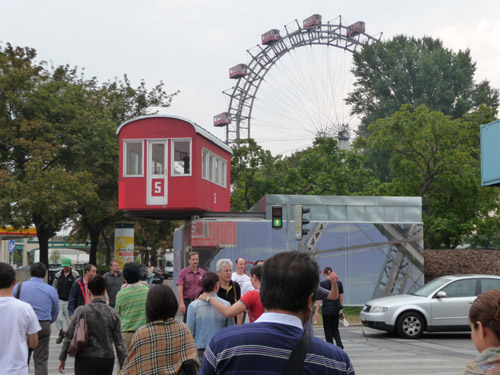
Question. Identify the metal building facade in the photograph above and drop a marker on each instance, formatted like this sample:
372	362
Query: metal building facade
375	244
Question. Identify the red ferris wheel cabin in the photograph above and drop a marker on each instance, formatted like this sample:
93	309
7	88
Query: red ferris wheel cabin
238	71
355	29
313	21
171	167
270	37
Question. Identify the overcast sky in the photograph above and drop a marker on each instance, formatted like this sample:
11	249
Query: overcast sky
191	44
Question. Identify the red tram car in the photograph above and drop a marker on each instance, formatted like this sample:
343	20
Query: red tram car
171	167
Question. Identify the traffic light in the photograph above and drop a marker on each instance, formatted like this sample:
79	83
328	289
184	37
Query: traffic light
300	221
277	217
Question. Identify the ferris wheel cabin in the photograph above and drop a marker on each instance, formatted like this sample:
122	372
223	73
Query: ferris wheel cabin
355	29
222	119
171	167
238	71
313	21
271	36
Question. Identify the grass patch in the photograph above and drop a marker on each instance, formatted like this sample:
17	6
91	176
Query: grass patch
350	312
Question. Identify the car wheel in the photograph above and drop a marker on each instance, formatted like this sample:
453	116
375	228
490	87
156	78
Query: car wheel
410	325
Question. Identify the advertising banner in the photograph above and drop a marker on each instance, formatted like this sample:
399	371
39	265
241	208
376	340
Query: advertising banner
124	243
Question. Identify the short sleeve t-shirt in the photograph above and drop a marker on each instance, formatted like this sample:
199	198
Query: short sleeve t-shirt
331	307
18	320
252	301
244	281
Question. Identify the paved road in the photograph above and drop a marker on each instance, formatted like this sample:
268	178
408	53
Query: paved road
376	353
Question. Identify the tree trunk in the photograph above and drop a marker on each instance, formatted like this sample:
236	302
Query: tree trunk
43	243
43	233
109	248
94	242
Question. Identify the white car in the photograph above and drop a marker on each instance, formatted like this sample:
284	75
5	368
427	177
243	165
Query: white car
440	305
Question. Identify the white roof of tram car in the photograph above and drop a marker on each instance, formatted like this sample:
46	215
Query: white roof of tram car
197	128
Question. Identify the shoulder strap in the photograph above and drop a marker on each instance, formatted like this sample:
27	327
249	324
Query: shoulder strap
234	292
298	355
18	292
81	288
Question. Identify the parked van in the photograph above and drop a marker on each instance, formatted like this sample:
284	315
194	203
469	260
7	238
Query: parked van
168	261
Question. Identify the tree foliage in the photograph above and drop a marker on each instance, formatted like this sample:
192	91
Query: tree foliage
406	70
58	147
35	134
105	107
322	169
436	158
253	174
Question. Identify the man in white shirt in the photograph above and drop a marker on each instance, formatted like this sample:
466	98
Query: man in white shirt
241	277
18	327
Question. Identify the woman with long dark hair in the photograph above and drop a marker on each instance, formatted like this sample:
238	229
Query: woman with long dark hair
104	332
163	344
484	316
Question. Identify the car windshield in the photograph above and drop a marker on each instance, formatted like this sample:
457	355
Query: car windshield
430	287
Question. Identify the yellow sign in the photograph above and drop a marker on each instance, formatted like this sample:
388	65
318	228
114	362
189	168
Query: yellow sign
11	231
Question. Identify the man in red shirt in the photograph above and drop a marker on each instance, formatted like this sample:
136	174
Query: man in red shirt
188	283
250	300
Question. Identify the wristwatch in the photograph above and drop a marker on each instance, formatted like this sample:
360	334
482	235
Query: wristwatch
208	299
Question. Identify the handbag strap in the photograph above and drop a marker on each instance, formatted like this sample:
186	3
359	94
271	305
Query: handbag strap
18	292
298	355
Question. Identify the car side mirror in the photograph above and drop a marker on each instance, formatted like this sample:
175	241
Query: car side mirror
441	294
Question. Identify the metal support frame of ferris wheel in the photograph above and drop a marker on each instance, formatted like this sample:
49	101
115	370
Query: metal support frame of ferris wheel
404	253
244	93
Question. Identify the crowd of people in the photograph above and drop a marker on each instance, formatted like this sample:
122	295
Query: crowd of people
233	322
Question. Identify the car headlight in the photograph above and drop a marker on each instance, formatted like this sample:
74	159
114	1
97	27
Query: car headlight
378	309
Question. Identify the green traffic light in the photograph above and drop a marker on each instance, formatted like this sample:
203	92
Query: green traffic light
277	223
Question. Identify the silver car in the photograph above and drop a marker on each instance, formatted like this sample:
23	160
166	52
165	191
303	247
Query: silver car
440	305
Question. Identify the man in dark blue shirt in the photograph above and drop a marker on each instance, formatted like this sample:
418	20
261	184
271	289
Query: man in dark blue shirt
288	285
45	301
331	310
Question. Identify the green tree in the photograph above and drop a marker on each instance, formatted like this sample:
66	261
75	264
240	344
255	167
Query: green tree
156	234
103	108
58	147
407	70
322	169
35	112
435	157
252	174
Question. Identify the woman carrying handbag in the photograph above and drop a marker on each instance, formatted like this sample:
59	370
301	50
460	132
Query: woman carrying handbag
104	332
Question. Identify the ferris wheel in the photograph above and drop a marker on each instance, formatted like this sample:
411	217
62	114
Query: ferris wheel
303	96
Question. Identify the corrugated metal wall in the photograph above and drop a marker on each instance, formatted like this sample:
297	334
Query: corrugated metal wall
490	154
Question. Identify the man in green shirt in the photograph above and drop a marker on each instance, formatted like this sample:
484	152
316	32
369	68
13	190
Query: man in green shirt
131	303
